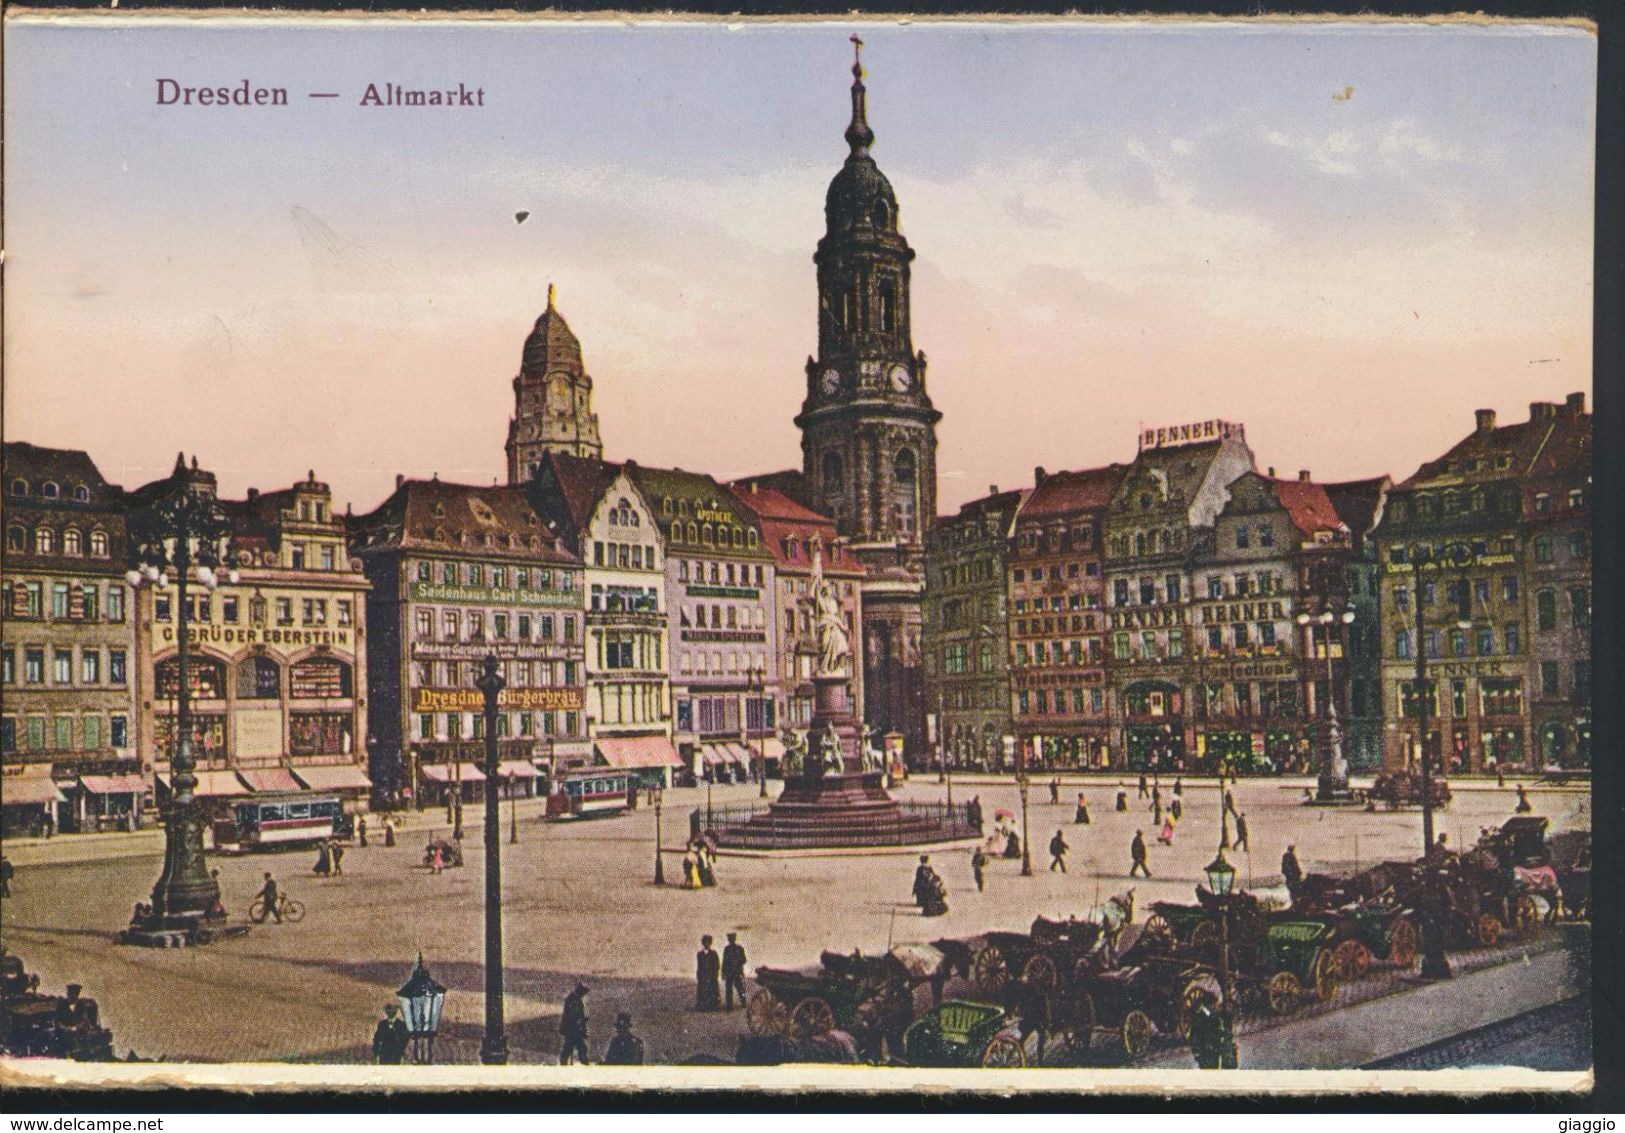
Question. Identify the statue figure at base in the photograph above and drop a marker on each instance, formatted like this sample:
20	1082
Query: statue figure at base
795	753
872	759
830	749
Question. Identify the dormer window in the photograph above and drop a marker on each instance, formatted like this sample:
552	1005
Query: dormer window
50	490
81	494
19	487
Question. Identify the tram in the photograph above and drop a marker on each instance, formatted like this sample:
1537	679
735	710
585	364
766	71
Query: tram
277	821
585	794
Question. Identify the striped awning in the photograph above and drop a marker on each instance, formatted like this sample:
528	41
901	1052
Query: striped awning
30	790
271	780
516	768
212	784
441	772
711	755
333	777
113	784
637	751
772	747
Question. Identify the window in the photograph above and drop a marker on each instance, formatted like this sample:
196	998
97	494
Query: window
118	731
62	667
284	611
64	733
1458	699
1410	704
1215	638
1486	640
346	611
451	625
1171	588
1428	593
1402	597
1511	635
1501	696
1266	633
71	543
1580	605
36	733
424	624
1579	545
1546	609
1402	644
1432	642
1509	588
59	600
19	487
1548	678
1239	635
90	667
16	538
1215	586
1148	592
8	665
1243	537
1266	535
1543	548
448	574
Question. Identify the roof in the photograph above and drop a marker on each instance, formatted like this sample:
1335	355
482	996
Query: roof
1553	436
976	513
551	346
788	530
1184	467
66	467
432	515
694	498
1359	503
1063	493
771	503
569	488
1308	504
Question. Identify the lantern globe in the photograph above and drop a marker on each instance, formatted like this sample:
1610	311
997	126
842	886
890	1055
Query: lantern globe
422	999
1221	875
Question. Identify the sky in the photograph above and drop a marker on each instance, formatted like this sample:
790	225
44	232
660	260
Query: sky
1346	237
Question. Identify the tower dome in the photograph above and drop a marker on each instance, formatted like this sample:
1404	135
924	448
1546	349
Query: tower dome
859	193
552	346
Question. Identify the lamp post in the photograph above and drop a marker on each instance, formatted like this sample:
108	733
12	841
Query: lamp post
1434	964
758	683
1221	878
513	808
422	999
185	530
1334	776
494	1047
1011	750
660	863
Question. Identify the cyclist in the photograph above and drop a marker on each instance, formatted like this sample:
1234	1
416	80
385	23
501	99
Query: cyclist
272	898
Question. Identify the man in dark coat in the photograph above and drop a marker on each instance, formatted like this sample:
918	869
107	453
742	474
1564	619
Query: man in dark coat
6	873
923	874
625	1049
1229	804
272	898
1137	852
390	1039
1057	852
1144	793
573	1025
1055	791
1241	833
978	868
733	971
707	977
1122	801
1291	871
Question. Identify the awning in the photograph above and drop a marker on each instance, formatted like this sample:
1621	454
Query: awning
333	777
711	755
637	751
113	784
516	768
212	784
271	780
742	755
30	789
441	772
772	747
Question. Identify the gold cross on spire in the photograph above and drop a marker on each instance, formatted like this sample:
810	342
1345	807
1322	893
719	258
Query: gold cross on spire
857	55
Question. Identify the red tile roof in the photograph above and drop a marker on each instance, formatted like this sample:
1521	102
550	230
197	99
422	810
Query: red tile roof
1061	493
1309	505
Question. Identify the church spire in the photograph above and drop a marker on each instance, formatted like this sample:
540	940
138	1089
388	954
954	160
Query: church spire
858	134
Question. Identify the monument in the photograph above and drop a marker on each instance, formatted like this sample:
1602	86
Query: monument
835	794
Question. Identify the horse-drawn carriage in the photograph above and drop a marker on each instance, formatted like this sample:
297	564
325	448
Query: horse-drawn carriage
1402	788
1370	925
870	997
962	1033
37	1025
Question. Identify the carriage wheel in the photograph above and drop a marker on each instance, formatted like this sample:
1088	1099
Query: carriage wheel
1526	914
1004	1051
1040	972
811	1017
1080	1030
1403	943
1137	1031
1189	1000
1284	993
1158	931
1323	975
989	970
1488	929
766	1015
1353	959
1207	933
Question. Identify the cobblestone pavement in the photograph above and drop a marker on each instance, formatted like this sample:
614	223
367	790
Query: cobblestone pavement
579	902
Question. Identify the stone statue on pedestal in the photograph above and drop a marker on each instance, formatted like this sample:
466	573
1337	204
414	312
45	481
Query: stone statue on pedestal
830	750
834	645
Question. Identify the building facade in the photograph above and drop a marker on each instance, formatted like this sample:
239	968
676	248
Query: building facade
67	731
796	537
552	399
868	428
1475	513
1057	602
600	516
967	630
720	605
276	662
460	572
1164	506
1360	503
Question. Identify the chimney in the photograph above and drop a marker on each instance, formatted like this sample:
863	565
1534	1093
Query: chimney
1272	472
1542	410
1575	404
1039	475
1303	475
1486	419
253	493
400	478
992	489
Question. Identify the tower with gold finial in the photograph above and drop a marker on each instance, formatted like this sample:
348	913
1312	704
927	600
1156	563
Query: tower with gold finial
552	398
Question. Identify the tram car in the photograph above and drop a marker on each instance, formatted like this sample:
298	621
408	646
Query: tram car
274	822
591	793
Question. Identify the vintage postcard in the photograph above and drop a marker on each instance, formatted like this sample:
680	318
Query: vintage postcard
995	555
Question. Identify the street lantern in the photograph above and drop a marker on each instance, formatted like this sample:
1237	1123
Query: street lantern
660	865
422	999
1221	876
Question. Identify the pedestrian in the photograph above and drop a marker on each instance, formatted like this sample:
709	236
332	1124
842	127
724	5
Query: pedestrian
978	868
733	971
1057	852
1524	806
1144	793
625	1049
324	859
1080	817
1229	804
1179	788
390	1038
573	1026
389	833
437	858
707	977
361	831
1166	834
218	909
1291	871
1241	833
7	871
1055	791
1122	799
338	858
1500	776
707	863
691	869
1156	812
1212	1040
272	898
1137	852
1012	844
1156	797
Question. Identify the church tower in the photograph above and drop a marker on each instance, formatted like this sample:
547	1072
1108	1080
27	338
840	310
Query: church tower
868	429
552	399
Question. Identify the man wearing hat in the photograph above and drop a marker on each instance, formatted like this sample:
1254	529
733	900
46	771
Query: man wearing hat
625	1049
707	977
390	1039
573	1026
733	971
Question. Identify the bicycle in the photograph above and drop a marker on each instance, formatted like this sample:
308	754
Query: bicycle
292	911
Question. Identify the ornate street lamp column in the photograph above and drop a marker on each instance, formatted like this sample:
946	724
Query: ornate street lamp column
185	530
494	1047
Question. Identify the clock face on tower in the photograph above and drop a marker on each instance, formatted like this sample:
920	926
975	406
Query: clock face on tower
900	379
831	381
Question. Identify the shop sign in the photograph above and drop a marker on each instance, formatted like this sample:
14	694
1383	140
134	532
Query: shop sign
1214	430
473	700
248	635
495	595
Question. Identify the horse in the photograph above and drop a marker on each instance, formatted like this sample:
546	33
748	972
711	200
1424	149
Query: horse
1541	882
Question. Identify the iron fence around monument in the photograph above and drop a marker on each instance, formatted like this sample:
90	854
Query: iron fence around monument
899	825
